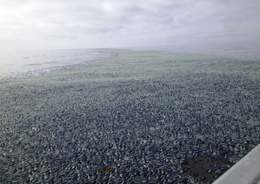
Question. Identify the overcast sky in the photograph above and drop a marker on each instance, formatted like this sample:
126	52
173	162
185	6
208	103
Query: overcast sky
68	24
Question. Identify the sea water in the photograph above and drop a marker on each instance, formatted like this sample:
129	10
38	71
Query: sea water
239	50
23	63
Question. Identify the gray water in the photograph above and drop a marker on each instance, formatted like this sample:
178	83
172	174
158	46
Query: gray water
15	64
239	50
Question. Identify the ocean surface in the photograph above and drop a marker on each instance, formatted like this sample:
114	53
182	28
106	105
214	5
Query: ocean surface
23	63
239	50
141	117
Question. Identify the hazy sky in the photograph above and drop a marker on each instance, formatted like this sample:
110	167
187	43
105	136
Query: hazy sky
65	24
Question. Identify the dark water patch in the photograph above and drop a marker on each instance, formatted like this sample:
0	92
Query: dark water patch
206	168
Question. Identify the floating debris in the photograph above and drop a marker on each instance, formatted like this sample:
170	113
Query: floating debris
103	169
130	119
